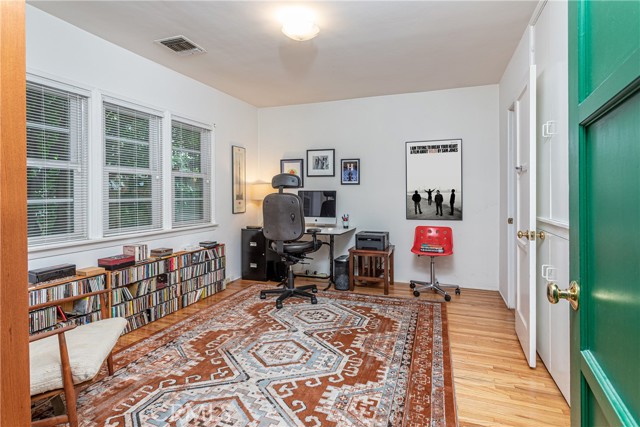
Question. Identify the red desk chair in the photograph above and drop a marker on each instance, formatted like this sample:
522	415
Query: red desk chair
433	242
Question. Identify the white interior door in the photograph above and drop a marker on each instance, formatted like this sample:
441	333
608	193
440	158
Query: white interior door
525	218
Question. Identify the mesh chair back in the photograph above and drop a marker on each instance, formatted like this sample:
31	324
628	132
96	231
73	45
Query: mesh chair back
428	239
283	217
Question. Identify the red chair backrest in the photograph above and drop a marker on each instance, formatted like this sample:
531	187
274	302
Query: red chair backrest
432	235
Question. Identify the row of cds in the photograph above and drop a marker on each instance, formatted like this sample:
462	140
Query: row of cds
144	271
202	256
43	319
66	290
195	296
200	269
199	282
132	306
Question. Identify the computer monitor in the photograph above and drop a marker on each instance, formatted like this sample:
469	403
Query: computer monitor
319	206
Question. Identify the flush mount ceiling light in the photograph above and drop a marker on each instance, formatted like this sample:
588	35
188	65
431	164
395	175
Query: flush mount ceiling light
298	23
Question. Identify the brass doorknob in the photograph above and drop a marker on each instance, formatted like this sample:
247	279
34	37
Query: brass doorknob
554	294
541	235
522	234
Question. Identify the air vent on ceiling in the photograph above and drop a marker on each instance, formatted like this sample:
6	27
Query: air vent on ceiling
181	45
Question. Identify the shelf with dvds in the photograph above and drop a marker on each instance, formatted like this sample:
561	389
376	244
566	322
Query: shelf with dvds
71	300
145	292
202	273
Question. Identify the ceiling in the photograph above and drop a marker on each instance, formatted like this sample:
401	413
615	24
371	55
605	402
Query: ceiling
365	48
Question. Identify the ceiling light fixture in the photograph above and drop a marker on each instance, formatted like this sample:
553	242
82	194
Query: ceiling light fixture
298	23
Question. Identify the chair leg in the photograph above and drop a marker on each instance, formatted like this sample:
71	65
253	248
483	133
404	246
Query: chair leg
67	381
433	284
110	364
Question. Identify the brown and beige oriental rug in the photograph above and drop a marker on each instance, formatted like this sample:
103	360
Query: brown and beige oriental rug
350	360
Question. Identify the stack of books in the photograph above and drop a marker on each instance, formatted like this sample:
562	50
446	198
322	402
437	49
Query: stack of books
425	247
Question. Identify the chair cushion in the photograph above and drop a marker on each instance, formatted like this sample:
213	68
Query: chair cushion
88	346
299	246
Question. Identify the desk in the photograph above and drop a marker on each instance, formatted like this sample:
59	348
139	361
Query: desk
372	266
331	232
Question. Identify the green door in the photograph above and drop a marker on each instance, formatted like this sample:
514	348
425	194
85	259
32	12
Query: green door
604	155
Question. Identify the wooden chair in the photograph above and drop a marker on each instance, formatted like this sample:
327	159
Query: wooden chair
74	358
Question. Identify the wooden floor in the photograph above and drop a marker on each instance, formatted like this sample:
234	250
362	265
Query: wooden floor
494	384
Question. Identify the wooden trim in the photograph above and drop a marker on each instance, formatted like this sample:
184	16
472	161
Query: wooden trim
14	324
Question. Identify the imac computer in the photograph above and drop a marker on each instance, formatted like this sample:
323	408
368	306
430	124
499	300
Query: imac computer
319	207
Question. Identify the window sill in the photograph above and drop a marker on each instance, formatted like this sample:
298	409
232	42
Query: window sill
88	245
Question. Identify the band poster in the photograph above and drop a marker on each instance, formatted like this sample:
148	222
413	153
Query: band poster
434	179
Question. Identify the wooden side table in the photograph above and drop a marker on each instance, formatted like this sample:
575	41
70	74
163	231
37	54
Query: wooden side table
371	266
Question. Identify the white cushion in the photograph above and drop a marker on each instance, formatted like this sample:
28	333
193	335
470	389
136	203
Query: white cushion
88	346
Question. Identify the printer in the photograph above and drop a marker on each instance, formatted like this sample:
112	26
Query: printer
372	240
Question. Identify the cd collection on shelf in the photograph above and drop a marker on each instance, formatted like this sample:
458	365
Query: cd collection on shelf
141	293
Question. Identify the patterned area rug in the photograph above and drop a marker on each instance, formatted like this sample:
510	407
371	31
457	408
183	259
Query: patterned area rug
350	360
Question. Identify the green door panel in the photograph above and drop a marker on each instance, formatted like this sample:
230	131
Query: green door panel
612	37
604	175
612	232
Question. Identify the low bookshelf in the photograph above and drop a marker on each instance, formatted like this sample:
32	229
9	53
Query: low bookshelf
142	293
70	300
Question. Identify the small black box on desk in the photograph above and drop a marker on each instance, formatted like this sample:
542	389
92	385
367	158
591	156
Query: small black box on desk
372	240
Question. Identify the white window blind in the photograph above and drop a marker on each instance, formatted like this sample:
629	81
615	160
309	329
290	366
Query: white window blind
190	174
56	165
132	177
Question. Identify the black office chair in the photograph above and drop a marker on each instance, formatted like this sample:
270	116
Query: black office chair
284	224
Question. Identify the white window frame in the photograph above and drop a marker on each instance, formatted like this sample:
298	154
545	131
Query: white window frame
77	163
206	148
154	171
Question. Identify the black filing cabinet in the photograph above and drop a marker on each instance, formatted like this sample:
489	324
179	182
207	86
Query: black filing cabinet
259	263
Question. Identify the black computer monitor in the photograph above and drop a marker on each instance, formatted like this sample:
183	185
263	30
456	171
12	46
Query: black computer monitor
319	206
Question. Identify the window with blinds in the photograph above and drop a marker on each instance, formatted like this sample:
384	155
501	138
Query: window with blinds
132	174
56	165
190	174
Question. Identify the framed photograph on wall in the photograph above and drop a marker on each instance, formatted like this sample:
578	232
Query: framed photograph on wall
238	179
434	179
350	171
321	162
294	167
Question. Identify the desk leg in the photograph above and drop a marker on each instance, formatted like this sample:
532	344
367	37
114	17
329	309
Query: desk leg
387	270
331	244
352	271
391	266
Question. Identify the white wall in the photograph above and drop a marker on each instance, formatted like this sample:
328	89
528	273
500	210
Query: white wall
61	51
375	131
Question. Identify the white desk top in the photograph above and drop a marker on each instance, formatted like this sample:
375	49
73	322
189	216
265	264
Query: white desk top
331	230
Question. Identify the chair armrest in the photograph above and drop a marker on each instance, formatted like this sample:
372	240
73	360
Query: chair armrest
50	333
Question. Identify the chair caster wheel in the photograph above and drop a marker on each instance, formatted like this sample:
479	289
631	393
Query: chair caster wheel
314	290
412	285
416	293
262	296
278	305
314	300
447	297
457	291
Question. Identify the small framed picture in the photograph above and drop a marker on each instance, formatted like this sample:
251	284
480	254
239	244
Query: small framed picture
239	184
321	162
350	171
294	167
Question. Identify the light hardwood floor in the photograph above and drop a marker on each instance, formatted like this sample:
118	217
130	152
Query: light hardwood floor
494	384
